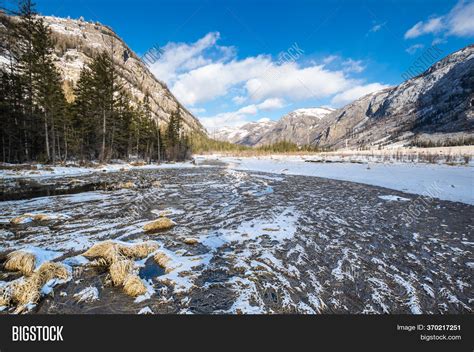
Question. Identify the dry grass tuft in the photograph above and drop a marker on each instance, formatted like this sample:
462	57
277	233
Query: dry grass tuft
21	261
51	270
138	251
41	217
190	241
117	257
163	223
98	249
134	286
156	184
5	296
163	260
138	163
127	185
120	270
111	252
27	289
18	219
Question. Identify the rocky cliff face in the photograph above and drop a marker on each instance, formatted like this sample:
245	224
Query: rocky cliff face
77	41
435	106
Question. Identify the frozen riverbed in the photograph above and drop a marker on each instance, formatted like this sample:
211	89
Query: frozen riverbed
260	243
454	183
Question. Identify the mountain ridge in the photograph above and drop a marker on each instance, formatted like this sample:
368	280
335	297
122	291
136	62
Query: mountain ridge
436	106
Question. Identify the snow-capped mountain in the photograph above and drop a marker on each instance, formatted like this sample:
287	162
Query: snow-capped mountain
436	106
248	134
294	127
77	41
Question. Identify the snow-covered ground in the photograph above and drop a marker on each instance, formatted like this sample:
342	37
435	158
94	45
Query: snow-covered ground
454	183
60	171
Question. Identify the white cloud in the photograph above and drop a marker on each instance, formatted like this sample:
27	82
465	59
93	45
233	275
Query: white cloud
434	25
239	99
377	27
461	19
271	104
228	119
414	48
178	57
458	22
214	80
296	83
241	116
328	59
204	71
353	66
356	92
197	110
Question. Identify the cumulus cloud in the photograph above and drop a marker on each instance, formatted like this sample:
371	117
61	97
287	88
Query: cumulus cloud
296	83
182	56
414	48
241	116
458	22
202	72
353	66
356	92
434	25
215	79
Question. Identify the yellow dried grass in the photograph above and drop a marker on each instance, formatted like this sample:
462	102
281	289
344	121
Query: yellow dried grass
138	251
161	224
112	251
27	289
98	249
190	241
20	261
51	270
18	220
41	217
134	286
119	271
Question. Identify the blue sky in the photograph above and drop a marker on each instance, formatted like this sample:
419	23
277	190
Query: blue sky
236	61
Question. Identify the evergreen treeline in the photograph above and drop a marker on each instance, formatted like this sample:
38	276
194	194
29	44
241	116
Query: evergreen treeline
102	123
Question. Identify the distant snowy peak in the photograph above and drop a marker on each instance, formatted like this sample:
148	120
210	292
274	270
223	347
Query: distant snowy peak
244	134
311	112
294	127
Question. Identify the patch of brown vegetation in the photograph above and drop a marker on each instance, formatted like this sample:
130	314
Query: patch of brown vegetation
117	257
119	271
161	224
18	220
140	250
39	217
21	261
134	286
190	241
163	260
138	163
26	290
